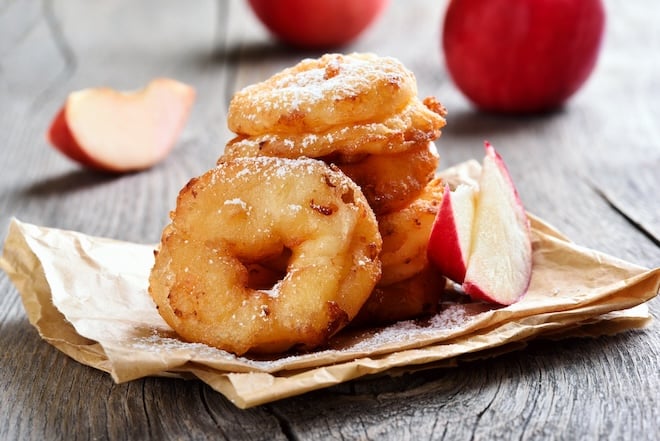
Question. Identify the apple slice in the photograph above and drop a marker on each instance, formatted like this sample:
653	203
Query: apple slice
122	131
451	234
499	267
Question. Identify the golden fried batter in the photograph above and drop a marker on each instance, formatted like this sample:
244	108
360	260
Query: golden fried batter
390	182
406	234
415	124
415	297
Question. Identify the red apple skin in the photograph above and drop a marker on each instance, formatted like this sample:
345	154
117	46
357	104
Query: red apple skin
317	24
444	250
521	56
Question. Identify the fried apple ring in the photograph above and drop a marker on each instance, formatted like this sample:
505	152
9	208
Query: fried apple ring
406	234
415	297
252	210
416	124
390	182
318	94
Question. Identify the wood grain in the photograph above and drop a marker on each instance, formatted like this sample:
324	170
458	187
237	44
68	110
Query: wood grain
590	169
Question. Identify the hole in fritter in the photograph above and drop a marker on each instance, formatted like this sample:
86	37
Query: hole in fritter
267	273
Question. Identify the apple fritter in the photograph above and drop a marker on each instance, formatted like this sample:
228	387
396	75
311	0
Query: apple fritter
250	211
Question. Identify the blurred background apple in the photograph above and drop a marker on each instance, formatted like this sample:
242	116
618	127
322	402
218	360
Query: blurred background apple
317	24
521	55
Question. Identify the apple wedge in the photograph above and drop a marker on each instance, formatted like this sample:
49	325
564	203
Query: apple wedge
499	267
117	131
451	235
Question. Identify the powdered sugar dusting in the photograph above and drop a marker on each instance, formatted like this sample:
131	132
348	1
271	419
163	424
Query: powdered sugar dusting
453	321
237	201
310	91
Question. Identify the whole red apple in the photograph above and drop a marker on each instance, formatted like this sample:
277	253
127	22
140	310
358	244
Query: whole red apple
317	23
521	55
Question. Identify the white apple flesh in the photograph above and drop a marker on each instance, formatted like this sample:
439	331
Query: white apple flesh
451	234
499	267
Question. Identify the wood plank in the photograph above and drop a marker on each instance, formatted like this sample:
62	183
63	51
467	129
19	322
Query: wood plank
590	169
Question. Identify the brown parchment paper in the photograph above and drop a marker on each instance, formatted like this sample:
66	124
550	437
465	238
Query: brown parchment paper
88	297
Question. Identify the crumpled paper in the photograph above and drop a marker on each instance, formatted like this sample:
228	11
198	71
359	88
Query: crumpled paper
88	297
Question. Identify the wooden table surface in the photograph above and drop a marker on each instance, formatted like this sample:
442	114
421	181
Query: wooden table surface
591	170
